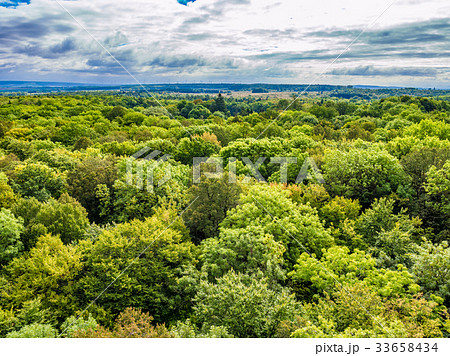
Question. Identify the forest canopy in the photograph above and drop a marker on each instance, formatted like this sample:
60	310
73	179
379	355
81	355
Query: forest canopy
357	248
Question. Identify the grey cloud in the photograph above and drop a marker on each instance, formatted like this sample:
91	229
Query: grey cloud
271	6
291	57
97	63
437	30
199	36
290	33
126	57
65	46
360	52
136	60
196	20
211	12
116	40
220	6
19	29
104	66
177	61
164	64
62	28
55	51
182	62
105	63
6	65
391	37
388	72
420	40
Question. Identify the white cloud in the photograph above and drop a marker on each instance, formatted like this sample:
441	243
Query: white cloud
226	40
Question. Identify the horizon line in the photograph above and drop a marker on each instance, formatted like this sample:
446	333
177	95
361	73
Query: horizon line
357	86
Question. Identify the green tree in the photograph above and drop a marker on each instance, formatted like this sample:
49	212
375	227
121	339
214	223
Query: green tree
246	306
72	131
117	111
86	176
437	187
7	196
393	247
10	230
34	331
245	250
73	326
340	215
296	226
131	323
28	209
364	175
148	256
213	198
429	127
37	180
219	104
417	163
59	159
82	143
133	118
430	268
389	237
46	273
339	267
199	112
188	148
338	209
254	150
323	112
358	312
18	148
64	217
8	321
185	108
187	329
138	192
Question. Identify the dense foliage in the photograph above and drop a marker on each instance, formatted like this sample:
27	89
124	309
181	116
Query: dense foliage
97	241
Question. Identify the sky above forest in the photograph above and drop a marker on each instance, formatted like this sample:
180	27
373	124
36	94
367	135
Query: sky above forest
404	43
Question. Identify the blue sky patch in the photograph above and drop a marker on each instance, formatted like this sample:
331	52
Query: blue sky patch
13	3
185	2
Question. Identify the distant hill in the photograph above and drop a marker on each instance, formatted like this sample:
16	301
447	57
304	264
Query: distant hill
340	91
25	84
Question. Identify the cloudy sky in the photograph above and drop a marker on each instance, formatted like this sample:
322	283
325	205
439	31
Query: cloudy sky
405	42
